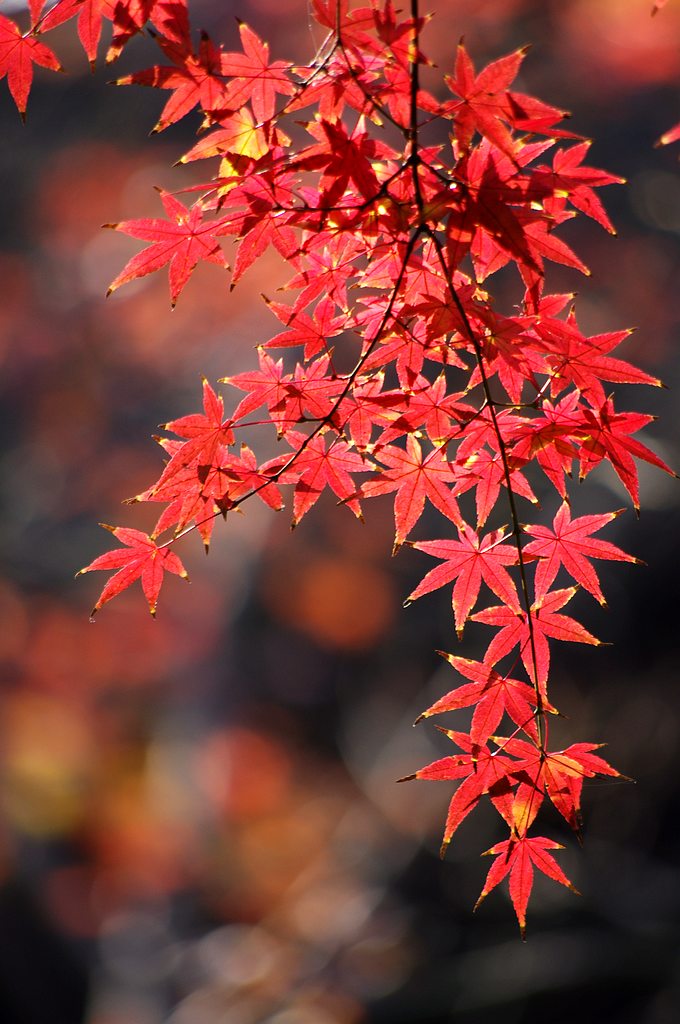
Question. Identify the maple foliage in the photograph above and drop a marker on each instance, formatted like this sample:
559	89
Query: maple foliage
18	53
391	238
518	857
140	559
569	544
182	241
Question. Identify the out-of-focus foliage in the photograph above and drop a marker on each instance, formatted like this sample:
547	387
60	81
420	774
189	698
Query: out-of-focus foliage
199	812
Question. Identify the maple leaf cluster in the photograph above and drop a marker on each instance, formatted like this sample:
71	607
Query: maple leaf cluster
390	242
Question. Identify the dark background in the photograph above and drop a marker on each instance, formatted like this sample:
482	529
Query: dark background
198	816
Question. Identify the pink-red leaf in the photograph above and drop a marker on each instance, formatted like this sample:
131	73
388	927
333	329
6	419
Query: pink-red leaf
518	856
570	544
182	241
491	694
255	79
468	561
140	559
483	771
546	621
414	477
18	54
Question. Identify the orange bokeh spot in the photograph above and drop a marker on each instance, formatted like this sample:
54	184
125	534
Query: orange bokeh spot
342	604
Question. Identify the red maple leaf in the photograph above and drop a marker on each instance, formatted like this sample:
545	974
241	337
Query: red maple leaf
468	561
312	331
257	233
427	404
140	559
243	476
188	490
491	694
317	467
583	362
607	436
255	79
210	481
518	856
568	175
546	622
310	392
188	480
414	477
570	544
344	158
510	349
559	773
18	54
551	439
328	269
484	471
483	106
238	135
182	241
483	771
490	108
204	433
266	386
360	409
196	79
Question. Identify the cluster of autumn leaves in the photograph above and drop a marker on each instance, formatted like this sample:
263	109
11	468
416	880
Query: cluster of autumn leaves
390	239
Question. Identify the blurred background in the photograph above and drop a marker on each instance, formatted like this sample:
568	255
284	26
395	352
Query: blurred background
198	817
